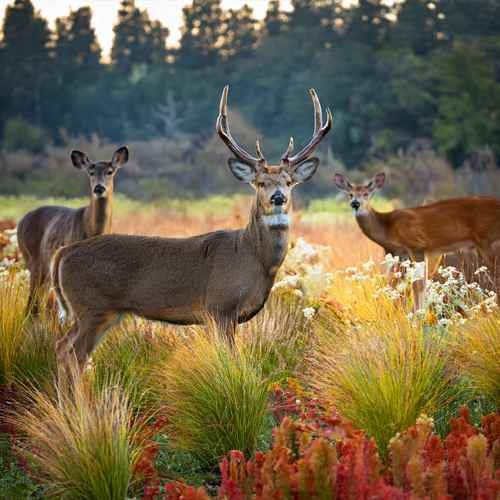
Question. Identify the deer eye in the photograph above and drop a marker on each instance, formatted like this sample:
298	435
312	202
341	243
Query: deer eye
261	184
110	172
91	173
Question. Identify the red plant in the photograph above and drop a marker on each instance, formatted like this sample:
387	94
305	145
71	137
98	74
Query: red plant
178	490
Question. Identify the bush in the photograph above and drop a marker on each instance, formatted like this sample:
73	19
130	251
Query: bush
215	399
382	375
19	134
84	443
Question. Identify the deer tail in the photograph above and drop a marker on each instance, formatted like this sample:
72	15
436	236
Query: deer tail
64	311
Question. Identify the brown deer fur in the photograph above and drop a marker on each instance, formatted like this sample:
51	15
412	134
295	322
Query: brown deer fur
42	231
226	274
427	231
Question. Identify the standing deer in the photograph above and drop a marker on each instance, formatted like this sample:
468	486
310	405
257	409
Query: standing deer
429	231
42	231
226	274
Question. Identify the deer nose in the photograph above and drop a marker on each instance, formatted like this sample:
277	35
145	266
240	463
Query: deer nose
278	198
99	189
355	204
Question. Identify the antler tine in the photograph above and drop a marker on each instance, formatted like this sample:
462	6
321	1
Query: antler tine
260	156
222	127
288	151
318	114
320	130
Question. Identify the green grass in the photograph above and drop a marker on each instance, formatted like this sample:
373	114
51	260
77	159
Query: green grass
216	400
383	375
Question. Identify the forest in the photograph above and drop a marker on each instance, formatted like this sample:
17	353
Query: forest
418	76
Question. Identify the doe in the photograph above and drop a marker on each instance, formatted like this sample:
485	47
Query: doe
44	230
427	232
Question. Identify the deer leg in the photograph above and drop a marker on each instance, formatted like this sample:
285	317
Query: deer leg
432	263
89	334
36	282
489	257
65	344
418	285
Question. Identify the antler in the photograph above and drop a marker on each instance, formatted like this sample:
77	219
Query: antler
320	131
222	128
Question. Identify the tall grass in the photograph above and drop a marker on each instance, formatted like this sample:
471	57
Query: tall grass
129	356
13	297
216	399
476	346
84	443
383	375
277	339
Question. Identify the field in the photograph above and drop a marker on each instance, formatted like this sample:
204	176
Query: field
335	390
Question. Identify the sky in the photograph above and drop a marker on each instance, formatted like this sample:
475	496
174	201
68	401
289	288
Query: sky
105	13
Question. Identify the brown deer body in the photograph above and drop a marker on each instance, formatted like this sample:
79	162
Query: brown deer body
226	274
44	230
429	231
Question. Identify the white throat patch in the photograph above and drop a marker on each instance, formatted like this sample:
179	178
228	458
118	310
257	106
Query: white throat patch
277	220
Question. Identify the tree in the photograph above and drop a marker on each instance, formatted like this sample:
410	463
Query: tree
240	34
138	40
25	61
77	51
368	23
419	26
202	34
275	19
469	100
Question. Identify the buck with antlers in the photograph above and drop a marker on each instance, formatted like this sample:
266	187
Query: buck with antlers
429	231
226	274
42	231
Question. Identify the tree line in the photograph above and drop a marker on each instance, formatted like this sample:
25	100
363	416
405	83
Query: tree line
420	72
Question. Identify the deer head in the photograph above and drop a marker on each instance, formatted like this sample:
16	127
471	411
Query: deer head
359	194
101	173
273	183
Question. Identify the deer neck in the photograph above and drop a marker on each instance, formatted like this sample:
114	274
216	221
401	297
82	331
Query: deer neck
270	242
98	215
371	223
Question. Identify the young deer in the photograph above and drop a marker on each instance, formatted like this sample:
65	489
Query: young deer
42	231
429	231
225	274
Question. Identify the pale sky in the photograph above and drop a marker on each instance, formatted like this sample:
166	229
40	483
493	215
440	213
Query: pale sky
105	13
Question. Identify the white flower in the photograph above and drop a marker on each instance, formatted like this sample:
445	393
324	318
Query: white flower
309	312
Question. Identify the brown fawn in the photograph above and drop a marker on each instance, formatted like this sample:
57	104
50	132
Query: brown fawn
44	230
227	275
429	231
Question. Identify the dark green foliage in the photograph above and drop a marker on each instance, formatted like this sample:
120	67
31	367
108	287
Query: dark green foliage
397	76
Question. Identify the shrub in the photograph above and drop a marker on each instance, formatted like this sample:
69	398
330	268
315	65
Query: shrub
382	375
85	443
19	134
477	351
215	399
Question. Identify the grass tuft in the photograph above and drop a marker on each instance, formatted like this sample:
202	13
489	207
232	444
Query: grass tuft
216	400
383	375
84	443
476	346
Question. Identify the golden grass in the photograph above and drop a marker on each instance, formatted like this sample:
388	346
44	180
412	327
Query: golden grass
476	348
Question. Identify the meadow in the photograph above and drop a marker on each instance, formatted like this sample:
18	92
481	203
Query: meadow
336	389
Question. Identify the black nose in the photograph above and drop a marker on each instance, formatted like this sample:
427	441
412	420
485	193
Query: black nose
278	198
355	204
99	189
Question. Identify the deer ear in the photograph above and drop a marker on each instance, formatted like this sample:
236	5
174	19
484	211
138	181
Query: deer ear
305	170
377	182
242	171
342	182
80	160
120	157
